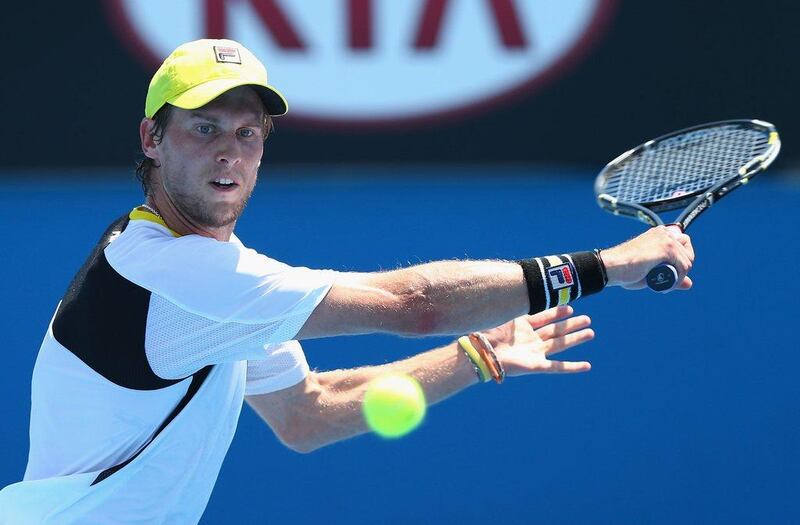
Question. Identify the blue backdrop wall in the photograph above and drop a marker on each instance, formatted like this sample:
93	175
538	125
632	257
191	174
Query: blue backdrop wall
689	415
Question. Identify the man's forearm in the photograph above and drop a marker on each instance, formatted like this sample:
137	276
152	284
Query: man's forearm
453	297
336	412
460	296
444	297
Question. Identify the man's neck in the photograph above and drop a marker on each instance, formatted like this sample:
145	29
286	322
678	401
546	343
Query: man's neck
182	225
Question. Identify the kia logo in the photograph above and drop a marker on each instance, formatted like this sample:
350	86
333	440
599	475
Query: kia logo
380	61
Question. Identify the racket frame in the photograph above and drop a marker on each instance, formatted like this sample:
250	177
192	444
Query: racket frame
696	202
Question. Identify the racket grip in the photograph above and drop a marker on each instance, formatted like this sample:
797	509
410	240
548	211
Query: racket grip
662	278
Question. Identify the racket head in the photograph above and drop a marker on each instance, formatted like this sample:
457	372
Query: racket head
671	171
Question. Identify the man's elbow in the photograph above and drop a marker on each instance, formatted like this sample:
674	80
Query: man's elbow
420	317
299	446
426	322
298	435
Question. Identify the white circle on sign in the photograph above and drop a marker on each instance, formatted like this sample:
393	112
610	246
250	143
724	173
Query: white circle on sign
379	61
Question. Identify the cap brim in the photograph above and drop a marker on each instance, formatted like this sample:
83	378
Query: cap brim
274	103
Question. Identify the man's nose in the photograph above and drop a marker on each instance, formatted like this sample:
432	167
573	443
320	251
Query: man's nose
230	151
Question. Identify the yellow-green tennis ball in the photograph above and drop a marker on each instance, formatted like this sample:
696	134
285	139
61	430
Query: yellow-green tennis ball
394	405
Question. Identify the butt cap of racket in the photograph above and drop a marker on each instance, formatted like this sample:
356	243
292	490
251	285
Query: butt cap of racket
662	278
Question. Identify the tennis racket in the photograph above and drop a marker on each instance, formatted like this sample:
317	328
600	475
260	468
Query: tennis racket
691	169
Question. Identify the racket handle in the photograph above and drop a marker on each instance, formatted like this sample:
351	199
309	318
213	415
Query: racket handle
662	278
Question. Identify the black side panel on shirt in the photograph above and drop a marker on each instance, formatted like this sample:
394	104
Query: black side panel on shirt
197	381
102	320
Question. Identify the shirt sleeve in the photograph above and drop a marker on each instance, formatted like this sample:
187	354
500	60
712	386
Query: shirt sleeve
285	366
211	301
224	281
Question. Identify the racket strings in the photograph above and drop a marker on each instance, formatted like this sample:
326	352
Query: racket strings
685	164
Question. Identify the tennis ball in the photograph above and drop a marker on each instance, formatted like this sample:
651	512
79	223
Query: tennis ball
394	405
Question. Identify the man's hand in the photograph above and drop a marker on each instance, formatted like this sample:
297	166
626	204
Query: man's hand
326	406
627	264
524	345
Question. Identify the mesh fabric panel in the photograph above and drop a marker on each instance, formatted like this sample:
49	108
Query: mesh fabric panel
178	343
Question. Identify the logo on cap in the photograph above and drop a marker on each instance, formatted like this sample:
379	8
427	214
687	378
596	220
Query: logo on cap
228	55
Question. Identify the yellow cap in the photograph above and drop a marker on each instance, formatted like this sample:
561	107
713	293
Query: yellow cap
198	72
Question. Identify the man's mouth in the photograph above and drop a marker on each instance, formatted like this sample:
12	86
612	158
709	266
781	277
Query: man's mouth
223	184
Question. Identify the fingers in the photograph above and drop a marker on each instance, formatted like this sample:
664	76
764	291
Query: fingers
679	251
683	260
638	285
681	256
674	230
685	241
573	324
566	367
685	284
549	316
559	344
629	263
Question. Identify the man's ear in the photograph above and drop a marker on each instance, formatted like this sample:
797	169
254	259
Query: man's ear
149	145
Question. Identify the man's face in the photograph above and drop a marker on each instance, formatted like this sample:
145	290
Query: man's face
209	157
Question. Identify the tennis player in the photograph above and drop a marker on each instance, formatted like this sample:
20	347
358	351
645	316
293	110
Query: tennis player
172	321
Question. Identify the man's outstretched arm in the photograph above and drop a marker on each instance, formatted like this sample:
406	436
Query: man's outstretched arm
450	297
326	407
442	297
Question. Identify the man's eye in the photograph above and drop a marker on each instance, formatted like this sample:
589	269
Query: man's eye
204	129
246	132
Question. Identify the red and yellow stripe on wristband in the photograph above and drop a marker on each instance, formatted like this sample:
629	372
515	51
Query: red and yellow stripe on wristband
563	279
556	280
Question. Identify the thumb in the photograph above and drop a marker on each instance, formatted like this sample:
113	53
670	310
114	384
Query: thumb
675	230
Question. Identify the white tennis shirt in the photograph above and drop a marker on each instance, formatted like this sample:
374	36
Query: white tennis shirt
148	315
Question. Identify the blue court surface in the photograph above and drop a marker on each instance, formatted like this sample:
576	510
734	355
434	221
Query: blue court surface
690	414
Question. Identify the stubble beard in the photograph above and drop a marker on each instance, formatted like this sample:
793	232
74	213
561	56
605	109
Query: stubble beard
204	214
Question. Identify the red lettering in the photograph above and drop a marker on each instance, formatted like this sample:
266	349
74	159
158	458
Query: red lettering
216	22
273	17
360	16
505	18
278	24
360	20
430	25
